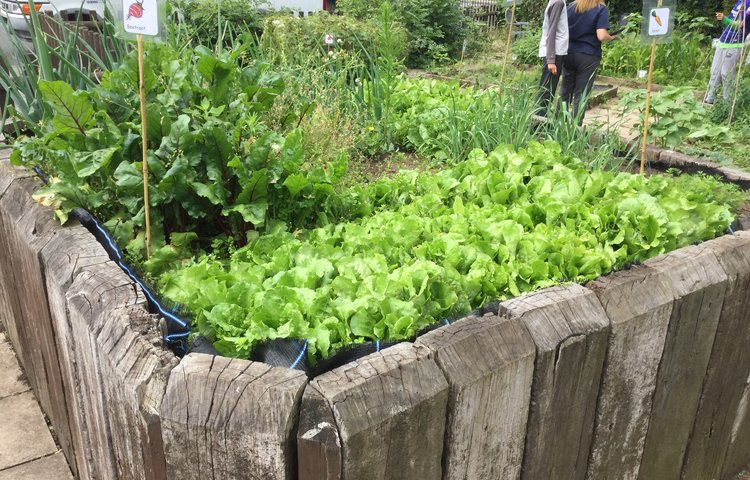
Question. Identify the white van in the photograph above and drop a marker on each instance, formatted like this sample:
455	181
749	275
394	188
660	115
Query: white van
16	11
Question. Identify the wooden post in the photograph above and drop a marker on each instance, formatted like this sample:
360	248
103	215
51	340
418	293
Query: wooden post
489	364
570	330
639	304
649	85
508	43
144	146
700	284
390	412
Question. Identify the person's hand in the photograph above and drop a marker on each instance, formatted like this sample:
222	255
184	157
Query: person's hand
552	68
719	16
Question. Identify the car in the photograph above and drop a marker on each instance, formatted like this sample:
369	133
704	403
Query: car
17	12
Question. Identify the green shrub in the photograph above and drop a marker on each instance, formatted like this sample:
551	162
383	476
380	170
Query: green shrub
526	47
532	12
287	36
625	56
436	28
720	111
207	22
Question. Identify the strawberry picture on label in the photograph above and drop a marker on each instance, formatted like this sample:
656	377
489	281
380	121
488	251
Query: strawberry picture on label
135	10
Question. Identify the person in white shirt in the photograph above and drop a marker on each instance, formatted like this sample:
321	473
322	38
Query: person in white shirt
552	48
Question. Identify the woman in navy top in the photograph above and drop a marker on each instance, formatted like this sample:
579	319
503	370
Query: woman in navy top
588	27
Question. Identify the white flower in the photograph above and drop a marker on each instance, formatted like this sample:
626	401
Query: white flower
276	23
276	148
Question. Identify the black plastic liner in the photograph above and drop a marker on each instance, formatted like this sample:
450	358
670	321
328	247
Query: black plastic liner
178	328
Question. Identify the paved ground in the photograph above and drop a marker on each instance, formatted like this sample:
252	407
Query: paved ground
27	449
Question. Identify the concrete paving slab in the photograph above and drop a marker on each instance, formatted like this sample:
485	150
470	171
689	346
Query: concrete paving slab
53	467
24	435
11	377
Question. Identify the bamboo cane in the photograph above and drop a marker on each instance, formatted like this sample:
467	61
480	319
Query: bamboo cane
508	43
647	113
144	144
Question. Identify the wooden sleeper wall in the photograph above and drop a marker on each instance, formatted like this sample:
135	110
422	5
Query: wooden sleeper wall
641	374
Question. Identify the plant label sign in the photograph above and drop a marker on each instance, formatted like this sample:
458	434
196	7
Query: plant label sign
140	17
329	39
658	21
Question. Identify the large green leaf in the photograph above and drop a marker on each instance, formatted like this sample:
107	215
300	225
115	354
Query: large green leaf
73	111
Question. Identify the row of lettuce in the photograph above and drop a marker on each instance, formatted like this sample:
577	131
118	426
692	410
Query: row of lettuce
260	232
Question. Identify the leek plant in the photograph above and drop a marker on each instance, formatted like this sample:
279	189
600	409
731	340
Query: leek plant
63	55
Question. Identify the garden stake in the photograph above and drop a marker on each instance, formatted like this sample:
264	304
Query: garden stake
144	145
508	43
739	69
649	84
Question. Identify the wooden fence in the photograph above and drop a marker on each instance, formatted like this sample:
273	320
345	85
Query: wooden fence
485	12
641	374
86	33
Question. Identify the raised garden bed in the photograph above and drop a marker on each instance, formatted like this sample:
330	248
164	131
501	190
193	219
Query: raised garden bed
640	373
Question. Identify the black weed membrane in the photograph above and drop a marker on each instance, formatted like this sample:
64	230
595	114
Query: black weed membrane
178	329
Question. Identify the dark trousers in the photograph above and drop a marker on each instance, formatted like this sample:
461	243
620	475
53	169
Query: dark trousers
579	73
548	85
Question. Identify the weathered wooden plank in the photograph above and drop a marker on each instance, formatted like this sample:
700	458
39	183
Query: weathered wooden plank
62	259
489	363
699	283
638	303
390	411
570	330
318	442
96	292
9	307
27	228
738	454
135	366
230	418
728	366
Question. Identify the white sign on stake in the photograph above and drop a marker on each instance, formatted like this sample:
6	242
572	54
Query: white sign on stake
329	39
658	22
140	17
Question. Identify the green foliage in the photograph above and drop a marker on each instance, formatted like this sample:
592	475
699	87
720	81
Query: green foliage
526	48
720	111
445	121
214	23
626	56
677	116
692	8
532	12
493	227
289	39
215	167
77	63
436	28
